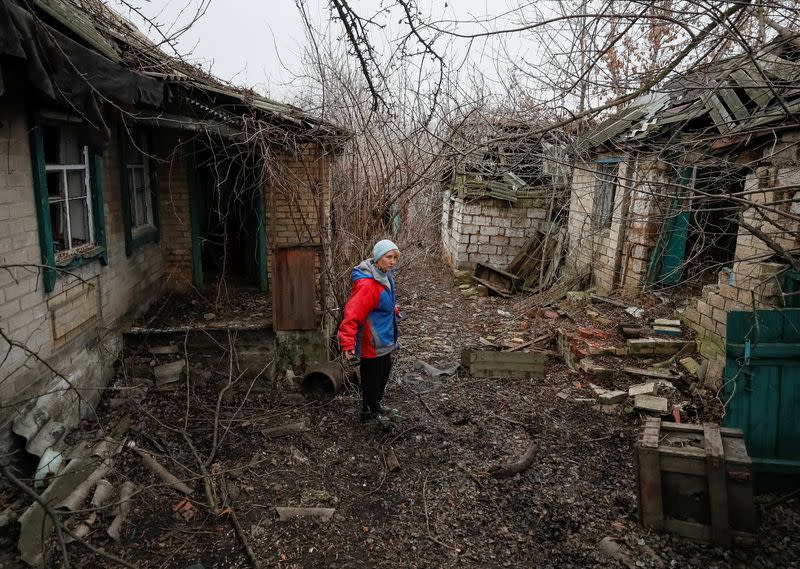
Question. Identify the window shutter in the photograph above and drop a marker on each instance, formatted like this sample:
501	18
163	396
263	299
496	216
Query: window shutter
42	205
99	217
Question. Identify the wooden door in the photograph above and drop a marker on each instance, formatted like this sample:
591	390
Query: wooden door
294	289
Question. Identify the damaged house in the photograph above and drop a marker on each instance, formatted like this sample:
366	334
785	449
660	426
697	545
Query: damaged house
504	184
128	176
692	192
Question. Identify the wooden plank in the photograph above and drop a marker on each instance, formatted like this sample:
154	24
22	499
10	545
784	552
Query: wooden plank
700	532
476	370
497	279
717	486
720	115
775	350
504	292
692	466
650	499
647	373
682	452
651	509
787	444
692	428
524	254
734	104
691	530
755	88
555	259
80	24
501	358
294	290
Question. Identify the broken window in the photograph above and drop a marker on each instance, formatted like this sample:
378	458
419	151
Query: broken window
450	211
140	211
138	172
68	192
606	192
66	164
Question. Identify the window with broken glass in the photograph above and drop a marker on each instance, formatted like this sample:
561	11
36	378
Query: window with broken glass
139	205
140	194
69	193
606	193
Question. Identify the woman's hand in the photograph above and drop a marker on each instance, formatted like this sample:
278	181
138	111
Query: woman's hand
349	354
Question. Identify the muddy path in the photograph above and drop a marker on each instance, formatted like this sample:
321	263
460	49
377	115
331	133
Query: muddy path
441	508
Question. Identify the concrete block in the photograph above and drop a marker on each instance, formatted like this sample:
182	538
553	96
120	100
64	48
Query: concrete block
643	346
690	315
716	300
592	368
666	322
690	364
704	308
650	404
612	397
649	388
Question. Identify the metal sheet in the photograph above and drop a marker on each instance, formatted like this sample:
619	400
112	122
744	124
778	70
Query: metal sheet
294	290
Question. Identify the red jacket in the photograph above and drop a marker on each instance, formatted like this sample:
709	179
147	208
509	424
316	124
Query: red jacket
369	325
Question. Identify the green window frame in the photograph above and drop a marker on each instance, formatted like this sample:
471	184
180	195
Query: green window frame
84	175
139	185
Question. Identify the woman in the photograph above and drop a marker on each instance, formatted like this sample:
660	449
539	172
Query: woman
369	327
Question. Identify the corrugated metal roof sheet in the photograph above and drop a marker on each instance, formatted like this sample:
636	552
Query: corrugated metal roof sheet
738	94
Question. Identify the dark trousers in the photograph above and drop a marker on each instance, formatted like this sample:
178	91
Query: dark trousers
374	375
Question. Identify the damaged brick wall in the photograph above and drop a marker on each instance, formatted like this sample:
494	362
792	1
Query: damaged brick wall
617	257
599	250
76	327
487	230
755	280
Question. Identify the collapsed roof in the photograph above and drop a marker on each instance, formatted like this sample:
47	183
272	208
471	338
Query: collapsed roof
717	104
503	158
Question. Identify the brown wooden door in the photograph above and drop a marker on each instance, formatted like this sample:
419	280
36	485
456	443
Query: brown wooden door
294	289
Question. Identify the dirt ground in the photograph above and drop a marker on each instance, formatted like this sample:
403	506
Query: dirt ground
441	508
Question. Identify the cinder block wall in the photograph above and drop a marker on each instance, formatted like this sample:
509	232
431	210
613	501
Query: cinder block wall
487	230
74	329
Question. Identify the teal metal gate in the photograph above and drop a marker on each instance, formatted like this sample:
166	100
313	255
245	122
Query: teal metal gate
762	385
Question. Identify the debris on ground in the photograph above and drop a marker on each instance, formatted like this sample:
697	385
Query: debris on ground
572	485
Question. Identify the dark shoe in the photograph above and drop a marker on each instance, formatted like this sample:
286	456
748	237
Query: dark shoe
376	420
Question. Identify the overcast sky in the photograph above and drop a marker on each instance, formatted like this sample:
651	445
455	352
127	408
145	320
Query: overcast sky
259	43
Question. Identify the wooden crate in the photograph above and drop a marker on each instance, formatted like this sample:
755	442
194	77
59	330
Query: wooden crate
696	481
492	363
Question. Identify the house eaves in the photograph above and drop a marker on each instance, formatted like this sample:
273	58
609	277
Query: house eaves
79	24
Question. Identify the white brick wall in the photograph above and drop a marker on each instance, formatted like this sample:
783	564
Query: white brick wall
486	230
59	325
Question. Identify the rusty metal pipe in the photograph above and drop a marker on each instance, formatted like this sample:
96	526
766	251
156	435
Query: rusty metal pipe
324	381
